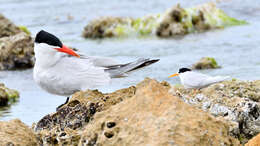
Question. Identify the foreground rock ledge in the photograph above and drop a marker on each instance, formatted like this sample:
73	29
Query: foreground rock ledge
236	101
143	115
15	133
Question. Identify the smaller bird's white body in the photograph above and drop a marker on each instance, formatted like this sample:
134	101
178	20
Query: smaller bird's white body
195	80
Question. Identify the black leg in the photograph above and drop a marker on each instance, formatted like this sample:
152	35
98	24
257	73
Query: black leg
67	100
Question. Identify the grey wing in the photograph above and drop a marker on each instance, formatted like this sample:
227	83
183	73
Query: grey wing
84	73
103	61
196	80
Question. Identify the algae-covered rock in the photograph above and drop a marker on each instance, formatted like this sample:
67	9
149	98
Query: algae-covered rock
173	22
236	101
16	52
206	63
7	28
7	96
16	133
105	27
143	115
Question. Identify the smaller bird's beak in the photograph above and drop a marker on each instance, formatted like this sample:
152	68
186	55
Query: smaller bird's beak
67	50
176	74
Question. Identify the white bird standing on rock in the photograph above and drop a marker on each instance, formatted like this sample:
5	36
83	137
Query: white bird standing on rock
195	80
62	71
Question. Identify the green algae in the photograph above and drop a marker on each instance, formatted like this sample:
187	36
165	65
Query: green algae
24	29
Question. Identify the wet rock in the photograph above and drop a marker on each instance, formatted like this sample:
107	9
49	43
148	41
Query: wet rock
7	96
16	52
143	115
236	101
254	141
206	63
15	133
7	28
172	23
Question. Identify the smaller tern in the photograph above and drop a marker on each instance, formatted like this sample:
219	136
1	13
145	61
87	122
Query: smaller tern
62	71
195	80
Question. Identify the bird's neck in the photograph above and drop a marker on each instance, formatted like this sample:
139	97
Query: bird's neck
45	60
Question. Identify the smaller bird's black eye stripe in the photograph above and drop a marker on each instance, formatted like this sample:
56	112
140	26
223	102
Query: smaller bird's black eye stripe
182	70
45	37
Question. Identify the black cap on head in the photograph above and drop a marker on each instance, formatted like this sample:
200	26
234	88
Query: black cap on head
45	37
182	70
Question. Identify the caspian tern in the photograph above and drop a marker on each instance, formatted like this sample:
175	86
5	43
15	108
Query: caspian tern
195	80
62	71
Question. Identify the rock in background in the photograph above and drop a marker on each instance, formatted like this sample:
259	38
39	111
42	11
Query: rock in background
176	21
7	28
15	133
16	46
143	115
7	95
206	63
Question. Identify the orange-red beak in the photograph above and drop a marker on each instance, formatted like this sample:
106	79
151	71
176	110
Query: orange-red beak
67	50
173	75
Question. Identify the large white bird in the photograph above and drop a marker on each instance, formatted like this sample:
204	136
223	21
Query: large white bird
62	71
195	80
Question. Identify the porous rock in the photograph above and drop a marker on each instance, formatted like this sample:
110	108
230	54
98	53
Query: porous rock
16	133
143	115
65	126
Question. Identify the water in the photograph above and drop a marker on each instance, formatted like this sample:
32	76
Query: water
236	49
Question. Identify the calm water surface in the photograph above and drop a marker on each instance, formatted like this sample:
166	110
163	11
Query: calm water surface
236	48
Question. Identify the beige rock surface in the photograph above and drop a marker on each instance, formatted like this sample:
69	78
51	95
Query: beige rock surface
16	133
254	141
145	115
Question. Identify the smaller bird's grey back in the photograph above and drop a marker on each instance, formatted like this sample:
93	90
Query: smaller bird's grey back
217	79
121	70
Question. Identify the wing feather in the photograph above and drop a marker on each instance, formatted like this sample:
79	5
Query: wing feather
84	73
